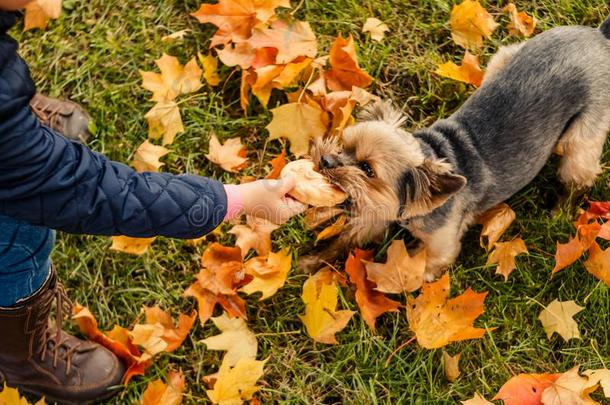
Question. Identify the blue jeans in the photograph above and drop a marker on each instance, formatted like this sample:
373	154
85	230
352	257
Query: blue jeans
24	259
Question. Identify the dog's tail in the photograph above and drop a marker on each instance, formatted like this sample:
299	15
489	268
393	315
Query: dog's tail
605	28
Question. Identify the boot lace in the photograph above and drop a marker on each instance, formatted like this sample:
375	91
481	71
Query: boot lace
47	114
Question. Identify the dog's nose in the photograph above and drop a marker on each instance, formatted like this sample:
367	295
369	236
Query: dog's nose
329	161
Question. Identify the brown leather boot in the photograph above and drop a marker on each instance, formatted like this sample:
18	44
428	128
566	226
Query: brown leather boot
40	359
65	117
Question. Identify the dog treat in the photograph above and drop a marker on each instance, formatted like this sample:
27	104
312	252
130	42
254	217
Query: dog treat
312	187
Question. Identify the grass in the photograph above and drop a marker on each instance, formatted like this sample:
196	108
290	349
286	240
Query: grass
92	55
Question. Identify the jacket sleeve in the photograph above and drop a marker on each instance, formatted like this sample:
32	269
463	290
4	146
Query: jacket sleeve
47	180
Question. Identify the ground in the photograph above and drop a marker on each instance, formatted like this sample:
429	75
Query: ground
92	55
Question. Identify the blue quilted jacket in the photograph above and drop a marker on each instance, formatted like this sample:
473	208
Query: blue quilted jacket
50	181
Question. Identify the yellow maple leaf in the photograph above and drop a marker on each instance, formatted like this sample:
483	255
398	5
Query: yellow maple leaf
477	399
159	393
173	80
290	39
134	246
39	12
210	69
235	338
231	156
238	383
269	273
470	22
376	28
332	230
146	158
468	72
401	272
520	22
299	123
164	121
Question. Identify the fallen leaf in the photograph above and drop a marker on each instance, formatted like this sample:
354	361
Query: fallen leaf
372	303
468	72
173	80
520	22
345	71
598	263
247	80
133	246
437	320
477	400
376	27
231	156
270	276
210	69
277	165
159	393
149	337
504	255
176	35
207	300
146	158
172	335
451	365
241	54
299	123
495	222
235	338
11	396
321	318
587	229
255	234
470	22
317	216
570	389
340	104
525	389
401	272
290	39
164	121
332	230
312	187
38	13
238	383
557	317
600	376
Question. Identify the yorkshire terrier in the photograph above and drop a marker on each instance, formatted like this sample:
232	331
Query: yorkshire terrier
550	93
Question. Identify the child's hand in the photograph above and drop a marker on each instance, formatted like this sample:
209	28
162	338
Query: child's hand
266	199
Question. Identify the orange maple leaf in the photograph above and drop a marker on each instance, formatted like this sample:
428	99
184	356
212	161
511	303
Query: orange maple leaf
172	335
495	221
586	232
277	164
520	22
345	71
292	40
159	393
504	255
470	22
598	263
468	72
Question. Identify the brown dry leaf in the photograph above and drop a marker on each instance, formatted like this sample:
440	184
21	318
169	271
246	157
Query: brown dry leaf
178	35
146	158
598	263
299	123
437	320
317	216
401	272
495	222
172	335
470	22
468	72
525	389
477	399
376	27
39	12
210	69
159	393
173	80
340	104
255	234
570	389
504	255
600	376
277	165
290	39
321	318
557	317
332	230
231	156
345	71
164	121
238	383
235	338
372	303
451	365
520	22
269	274
133	246
312	187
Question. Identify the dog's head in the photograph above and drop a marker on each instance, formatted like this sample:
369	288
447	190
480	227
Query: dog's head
384	170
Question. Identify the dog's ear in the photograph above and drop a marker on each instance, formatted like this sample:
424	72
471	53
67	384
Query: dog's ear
383	111
427	187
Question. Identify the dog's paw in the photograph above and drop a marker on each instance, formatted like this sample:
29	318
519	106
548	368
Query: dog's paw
309	264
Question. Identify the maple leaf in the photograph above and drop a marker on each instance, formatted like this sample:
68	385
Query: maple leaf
504	255
468	72
600	376
299	123
525	389
470	22
172	335
269	274
345	71
238	383
11	396
231	156
164	120
451	365
376	28
277	164
210	69
332	230
173	80
495	222
317	216
557	318
437	320
290	39
311	186
255	234
132	246
241	54
598	263
271	77
235	338
372	303
570	388
159	393
340	104
477	399
146	158
401	272
149	337
520	22
38	13
321	318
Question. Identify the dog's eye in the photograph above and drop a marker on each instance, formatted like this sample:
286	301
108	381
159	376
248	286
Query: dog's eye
366	168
